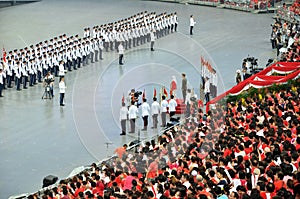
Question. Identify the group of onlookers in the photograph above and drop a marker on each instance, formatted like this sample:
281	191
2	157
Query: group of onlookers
246	150
285	39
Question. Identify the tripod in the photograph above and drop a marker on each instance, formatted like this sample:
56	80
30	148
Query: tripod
47	92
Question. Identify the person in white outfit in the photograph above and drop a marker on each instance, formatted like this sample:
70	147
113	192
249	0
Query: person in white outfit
192	24
172	106
123	118
132	114
145	113
207	89
152	38
155	109
164	105
121	53
62	90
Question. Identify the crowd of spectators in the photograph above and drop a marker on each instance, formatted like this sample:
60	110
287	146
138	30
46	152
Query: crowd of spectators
295	7
248	149
285	39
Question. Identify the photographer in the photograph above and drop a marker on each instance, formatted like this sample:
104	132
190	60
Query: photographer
49	83
134	97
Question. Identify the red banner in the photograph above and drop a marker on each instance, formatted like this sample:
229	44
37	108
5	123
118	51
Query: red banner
264	78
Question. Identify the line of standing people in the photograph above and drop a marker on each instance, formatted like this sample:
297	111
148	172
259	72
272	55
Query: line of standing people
156	109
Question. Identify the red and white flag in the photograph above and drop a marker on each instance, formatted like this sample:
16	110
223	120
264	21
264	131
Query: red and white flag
165	92
154	94
123	98
144	95
4	60
4	55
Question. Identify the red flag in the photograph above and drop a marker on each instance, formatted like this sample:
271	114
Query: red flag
144	95
4	55
154	94
123	98
165	92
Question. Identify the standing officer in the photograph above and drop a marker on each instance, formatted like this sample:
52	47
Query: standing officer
155	111
96	48
206	89
152	37
132	114
121	53
164	105
184	86
175	21
172	106
2	76
145	113
123	118
62	90
192	23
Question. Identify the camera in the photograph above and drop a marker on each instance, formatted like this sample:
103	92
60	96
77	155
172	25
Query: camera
49	80
137	94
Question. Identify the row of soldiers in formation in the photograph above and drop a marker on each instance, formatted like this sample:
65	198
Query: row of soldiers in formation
62	53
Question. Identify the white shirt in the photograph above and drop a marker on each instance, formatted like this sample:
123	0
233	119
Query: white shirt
172	105
145	109
152	36
164	105
2	75
61	70
155	107
123	113
188	98
192	21
62	87
132	112
206	87
121	49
